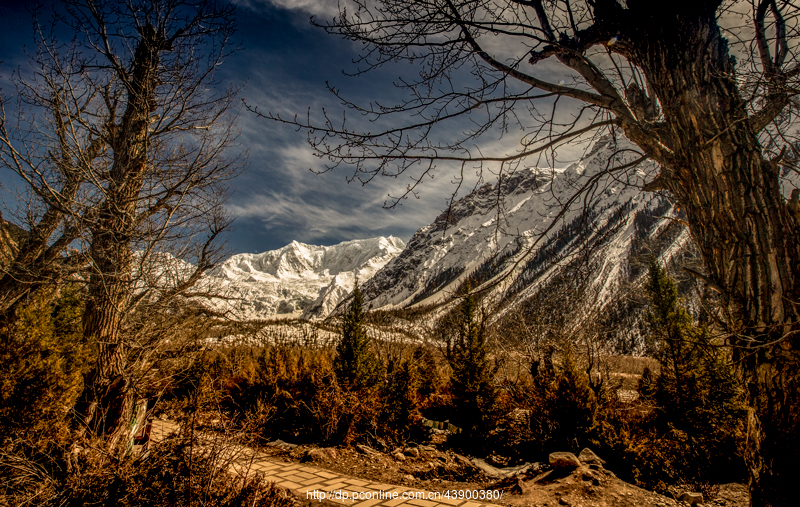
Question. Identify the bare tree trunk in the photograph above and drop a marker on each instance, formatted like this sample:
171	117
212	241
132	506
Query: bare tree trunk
108	397
744	229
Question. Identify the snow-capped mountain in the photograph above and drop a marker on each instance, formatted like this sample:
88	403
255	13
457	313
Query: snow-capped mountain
533	224
298	280
488	230
530	226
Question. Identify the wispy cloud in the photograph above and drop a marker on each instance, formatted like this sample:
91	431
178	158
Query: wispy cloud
320	8
310	220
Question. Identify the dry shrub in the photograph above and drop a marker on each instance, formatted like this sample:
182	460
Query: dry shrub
42	359
176	472
292	393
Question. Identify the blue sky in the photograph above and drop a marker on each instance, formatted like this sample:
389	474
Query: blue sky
284	65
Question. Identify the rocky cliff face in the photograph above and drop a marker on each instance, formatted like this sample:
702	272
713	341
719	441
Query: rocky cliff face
535	226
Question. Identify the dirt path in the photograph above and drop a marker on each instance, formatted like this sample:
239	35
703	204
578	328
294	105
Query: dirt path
310	483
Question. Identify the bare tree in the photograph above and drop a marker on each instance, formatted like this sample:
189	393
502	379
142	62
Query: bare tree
707	89
128	161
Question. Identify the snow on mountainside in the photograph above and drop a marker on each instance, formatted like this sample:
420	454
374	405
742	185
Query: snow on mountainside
481	230
484	234
299	280
534	222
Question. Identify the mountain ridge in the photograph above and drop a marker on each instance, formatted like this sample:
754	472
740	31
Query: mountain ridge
298	280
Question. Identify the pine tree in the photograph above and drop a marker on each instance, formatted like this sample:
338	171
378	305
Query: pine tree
698	397
571	405
402	403
563	407
472	380
355	366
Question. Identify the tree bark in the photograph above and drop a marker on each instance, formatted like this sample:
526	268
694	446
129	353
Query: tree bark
741	223
108	400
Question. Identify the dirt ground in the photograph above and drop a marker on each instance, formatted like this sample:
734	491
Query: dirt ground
429	468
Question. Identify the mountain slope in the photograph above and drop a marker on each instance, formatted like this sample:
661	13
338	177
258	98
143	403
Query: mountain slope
589	226
490	229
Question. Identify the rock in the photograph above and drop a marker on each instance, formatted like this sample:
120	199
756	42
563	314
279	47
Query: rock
413	452
365	449
691	498
519	487
564	461
399	456
588	457
462	459
281	444
316	455
428	448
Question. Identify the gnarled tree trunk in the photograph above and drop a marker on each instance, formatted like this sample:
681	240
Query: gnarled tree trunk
107	399
749	239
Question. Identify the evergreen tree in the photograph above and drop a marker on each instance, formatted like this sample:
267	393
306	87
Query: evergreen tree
563	406
472	380
571	405
402	404
356	366
699	401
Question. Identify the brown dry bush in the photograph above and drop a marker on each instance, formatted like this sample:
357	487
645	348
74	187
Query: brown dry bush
176	472
42	361
291	392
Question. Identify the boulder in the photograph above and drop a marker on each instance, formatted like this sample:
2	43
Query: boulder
691	498
588	457
315	455
399	456
412	452
564	461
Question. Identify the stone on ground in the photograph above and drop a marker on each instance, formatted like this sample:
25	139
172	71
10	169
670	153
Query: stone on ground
564	461
691	498
588	457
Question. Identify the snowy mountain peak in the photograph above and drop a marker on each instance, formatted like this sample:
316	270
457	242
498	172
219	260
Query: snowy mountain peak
299	279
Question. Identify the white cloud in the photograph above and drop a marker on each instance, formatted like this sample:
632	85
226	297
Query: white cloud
311	219
318	8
